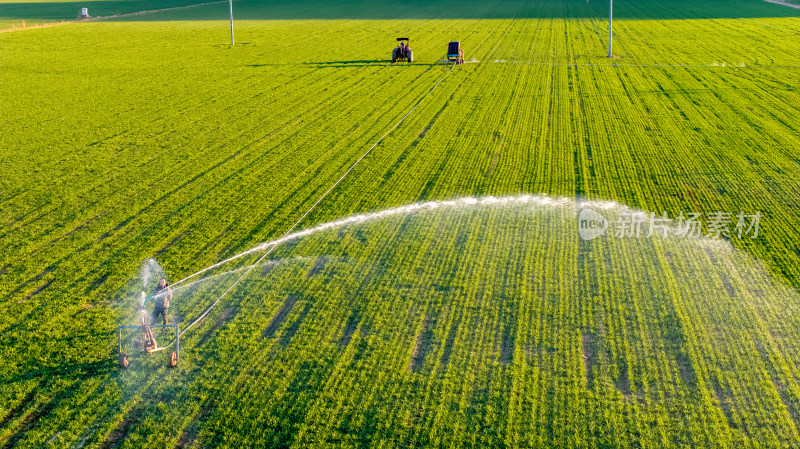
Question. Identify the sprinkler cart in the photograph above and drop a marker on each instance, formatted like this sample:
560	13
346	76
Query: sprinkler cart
148	341
454	55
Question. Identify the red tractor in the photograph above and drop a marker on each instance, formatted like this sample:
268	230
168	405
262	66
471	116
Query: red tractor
402	52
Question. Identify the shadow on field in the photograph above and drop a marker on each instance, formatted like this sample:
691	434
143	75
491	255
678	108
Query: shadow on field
362	62
395	9
335	64
354	64
346	64
74	371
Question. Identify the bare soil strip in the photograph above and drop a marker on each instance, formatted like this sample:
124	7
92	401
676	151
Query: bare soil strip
280	317
349	330
423	345
590	357
226	316
319	264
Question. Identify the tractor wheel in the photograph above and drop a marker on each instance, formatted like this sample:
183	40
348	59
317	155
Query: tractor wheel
410	56
173	359
123	360
394	55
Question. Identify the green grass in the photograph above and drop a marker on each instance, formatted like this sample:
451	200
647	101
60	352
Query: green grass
31	12
26	13
149	137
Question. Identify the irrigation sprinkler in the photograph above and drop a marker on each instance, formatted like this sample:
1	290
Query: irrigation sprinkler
148	343
610	19
230	5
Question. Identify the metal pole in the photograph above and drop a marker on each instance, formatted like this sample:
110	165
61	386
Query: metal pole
230	4
610	19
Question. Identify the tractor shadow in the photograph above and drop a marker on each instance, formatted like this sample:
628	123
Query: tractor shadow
362	63
332	64
346	64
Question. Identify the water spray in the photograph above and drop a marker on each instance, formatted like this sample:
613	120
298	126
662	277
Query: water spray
541	200
538	200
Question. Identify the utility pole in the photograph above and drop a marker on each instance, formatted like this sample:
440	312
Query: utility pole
610	29
230	3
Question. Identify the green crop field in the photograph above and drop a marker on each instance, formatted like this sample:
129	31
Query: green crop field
27	13
460	305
